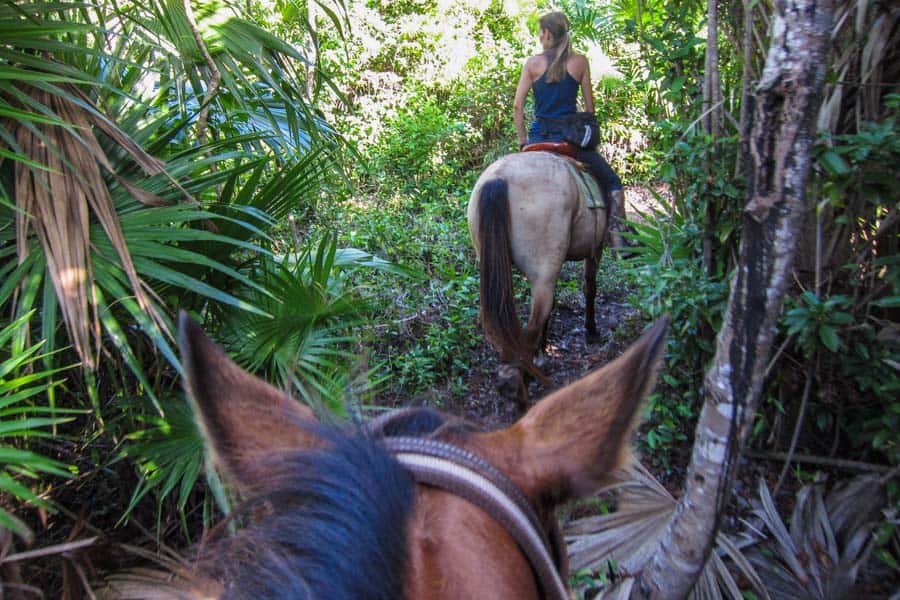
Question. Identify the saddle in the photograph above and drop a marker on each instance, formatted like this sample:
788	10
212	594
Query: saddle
587	183
563	148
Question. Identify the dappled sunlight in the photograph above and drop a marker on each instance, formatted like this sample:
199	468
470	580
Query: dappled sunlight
72	279
602	65
295	176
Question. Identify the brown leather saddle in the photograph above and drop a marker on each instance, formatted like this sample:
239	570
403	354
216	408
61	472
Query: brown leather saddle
564	149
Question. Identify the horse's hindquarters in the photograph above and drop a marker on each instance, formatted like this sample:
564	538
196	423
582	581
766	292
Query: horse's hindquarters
545	222
544	202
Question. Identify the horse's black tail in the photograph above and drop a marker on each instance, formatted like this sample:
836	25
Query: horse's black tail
498	305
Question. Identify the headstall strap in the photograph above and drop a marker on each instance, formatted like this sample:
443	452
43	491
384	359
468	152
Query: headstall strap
470	477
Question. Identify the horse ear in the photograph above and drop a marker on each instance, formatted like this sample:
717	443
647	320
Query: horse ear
566	445
242	418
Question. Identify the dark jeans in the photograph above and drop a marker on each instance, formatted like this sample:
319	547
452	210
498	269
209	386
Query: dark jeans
600	169
608	179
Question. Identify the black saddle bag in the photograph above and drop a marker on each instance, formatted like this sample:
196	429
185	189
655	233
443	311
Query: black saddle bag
583	130
580	129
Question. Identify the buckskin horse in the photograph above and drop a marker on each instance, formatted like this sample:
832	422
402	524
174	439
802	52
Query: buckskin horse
413	505
528	210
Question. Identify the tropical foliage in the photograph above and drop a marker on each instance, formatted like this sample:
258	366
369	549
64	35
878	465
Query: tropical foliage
294	175
821	554
21	423
149	154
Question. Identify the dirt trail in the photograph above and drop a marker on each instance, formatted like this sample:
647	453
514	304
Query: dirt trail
569	357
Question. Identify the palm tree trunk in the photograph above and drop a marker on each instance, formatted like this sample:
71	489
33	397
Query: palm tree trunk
783	115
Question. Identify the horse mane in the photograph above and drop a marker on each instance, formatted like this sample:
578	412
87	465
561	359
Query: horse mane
414	422
335	527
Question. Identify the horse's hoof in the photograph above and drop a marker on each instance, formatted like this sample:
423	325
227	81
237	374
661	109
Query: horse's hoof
510	382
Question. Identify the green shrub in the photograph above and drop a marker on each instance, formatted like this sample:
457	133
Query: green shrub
844	333
419	147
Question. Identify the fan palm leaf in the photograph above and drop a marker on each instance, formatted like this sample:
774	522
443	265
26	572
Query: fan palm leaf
101	215
628	537
829	539
312	305
591	22
301	343
169	455
263	78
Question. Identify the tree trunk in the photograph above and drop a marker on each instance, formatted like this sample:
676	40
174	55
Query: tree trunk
746	75
712	86
712	121
783	114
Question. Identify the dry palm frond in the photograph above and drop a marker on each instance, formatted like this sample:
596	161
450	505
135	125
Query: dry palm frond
629	537
830	538
59	200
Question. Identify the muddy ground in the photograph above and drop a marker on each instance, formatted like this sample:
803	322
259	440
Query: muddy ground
568	355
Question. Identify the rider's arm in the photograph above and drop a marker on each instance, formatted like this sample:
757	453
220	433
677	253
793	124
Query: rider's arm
587	91
525	82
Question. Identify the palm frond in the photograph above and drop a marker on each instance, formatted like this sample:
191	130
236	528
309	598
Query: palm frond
628	535
262	78
590	22
829	539
628	538
312	305
58	204
169	454
21	420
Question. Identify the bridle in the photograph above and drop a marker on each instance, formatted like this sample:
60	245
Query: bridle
465	474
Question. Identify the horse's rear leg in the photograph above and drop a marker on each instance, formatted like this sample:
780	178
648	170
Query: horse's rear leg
510	377
511	384
590	298
541	304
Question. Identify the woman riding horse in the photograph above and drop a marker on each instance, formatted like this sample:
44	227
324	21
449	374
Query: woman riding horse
555	76
535	211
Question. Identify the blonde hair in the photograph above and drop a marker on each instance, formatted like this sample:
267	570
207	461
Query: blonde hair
558	26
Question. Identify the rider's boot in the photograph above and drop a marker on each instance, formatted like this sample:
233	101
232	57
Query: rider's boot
617	220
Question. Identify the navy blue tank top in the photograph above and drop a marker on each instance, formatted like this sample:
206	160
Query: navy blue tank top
554	100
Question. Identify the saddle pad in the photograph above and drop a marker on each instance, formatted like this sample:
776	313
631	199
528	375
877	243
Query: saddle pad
587	186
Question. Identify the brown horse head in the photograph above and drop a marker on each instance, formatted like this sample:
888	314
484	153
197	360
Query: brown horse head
336	516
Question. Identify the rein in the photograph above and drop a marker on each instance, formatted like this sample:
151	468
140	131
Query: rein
470	477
